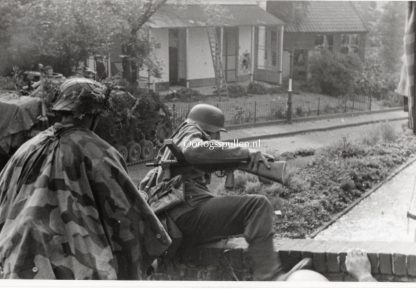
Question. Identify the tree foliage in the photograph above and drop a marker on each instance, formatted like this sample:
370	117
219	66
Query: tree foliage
291	12
391	29
335	73
65	32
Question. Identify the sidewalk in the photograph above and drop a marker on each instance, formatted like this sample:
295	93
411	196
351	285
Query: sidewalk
299	127
382	216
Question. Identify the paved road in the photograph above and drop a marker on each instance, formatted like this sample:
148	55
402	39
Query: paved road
295	127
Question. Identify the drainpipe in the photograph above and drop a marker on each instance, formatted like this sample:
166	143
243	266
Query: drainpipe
282	31
253	29
289	90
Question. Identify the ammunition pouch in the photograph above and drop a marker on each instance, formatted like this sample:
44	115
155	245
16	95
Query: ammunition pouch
166	195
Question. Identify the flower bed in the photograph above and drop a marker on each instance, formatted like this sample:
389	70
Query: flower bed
330	179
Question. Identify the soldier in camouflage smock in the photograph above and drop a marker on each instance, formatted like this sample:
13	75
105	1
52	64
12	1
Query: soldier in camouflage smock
68	209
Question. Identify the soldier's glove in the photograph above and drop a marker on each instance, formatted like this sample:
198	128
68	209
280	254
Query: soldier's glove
257	157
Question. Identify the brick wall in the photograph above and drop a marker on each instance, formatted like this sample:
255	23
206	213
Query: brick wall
228	260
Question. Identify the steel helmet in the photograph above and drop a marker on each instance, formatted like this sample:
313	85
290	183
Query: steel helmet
81	96
305	275
208	117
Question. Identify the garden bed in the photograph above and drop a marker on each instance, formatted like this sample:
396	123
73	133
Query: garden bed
324	182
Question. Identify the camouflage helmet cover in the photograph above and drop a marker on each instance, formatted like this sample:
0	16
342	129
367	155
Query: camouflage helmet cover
81	96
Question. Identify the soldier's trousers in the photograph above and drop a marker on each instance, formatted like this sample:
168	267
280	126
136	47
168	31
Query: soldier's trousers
222	217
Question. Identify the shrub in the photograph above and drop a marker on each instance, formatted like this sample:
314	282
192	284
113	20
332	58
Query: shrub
299	111
375	82
334	73
384	132
393	99
184	94
257	88
241	115
327	109
236	91
277	112
388	134
275	90
372	137
7	83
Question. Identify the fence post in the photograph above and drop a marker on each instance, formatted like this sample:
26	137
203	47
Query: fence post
255	111
345	103
353	104
370	103
319	103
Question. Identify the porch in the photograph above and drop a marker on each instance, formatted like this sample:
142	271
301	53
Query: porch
249	43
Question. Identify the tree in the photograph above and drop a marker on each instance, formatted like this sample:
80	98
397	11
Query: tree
391	30
370	16
65	32
134	47
291	12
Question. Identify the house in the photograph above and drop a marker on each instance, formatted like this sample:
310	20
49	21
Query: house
250	43
314	25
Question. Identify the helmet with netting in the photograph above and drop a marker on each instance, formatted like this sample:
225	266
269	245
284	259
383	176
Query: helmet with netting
81	96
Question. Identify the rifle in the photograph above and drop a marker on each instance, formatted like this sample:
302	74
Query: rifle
172	168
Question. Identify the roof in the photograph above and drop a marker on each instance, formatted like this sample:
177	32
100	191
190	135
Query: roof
176	16
328	16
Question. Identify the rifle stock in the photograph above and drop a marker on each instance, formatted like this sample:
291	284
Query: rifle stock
275	173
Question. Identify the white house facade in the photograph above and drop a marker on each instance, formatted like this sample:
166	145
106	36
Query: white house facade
250	40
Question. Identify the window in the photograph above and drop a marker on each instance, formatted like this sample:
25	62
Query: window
324	41
274	47
330	41
319	41
350	43
300	56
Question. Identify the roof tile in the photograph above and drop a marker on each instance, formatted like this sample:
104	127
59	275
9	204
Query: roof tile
329	16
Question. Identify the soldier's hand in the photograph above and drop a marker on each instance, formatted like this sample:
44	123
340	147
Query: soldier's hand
358	265
256	157
269	157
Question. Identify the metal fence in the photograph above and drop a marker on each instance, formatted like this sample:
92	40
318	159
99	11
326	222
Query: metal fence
237	113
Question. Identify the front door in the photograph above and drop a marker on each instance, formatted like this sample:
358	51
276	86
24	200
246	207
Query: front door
173	56
231	53
173	65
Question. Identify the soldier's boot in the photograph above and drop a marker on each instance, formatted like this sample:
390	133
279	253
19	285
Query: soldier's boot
267	265
266	262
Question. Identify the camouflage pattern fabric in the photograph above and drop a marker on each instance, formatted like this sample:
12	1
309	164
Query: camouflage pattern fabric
68	210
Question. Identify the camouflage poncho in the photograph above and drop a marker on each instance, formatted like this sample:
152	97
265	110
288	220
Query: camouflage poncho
68	210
